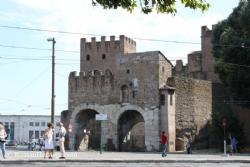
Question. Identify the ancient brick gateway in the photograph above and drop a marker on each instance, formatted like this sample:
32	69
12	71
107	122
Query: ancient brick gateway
138	94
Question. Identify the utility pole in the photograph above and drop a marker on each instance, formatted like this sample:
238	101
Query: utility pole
53	80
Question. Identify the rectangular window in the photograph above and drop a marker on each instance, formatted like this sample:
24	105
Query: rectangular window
42	132
12	131
133	94
31	133
36	134
36	123
6	126
31	123
162	100
171	99
171	93
43	124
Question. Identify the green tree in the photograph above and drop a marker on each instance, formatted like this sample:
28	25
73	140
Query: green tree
233	126
231	47
147	6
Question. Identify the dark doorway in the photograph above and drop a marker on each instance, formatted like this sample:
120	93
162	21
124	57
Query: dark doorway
131	131
85	120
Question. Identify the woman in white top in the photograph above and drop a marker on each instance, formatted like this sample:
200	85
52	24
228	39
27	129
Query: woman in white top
48	141
3	136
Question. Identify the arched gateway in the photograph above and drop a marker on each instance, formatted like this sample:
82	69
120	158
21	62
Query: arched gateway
131	131
86	125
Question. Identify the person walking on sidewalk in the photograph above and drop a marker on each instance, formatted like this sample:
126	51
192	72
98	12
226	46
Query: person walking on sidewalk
62	133
3	137
234	145
164	144
48	141
189	146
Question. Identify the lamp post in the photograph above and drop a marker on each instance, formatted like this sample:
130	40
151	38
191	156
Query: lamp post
53	79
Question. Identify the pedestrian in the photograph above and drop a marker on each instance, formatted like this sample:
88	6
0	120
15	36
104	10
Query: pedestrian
189	146
57	142
33	144
40	142
62	133
234	144
164	144
48	141
3	137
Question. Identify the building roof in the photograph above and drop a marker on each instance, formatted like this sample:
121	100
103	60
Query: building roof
157	52
166	58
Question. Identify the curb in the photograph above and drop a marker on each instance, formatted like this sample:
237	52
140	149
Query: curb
120	161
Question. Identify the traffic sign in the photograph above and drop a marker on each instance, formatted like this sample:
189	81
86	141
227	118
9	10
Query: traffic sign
101	117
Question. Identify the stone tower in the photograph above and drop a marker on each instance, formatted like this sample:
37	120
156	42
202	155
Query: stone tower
101	55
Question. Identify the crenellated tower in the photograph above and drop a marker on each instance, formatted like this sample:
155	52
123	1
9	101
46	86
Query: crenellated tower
101	55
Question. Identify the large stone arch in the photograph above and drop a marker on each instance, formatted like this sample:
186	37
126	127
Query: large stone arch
86	125
131	131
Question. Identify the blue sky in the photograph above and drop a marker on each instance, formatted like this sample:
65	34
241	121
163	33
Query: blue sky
25	86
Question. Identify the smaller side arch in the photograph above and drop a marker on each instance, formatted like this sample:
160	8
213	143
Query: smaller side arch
131	131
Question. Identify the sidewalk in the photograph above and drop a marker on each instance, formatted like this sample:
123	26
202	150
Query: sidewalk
20	157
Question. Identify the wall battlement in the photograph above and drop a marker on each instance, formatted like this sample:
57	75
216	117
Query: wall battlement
90	81
107	46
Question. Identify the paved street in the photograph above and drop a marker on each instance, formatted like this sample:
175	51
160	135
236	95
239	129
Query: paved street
130	164
13	155
122	159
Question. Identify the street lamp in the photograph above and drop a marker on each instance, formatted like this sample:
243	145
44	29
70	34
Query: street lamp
53	79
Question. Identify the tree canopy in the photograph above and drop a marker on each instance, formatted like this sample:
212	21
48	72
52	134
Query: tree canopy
147	6
231	47
233	126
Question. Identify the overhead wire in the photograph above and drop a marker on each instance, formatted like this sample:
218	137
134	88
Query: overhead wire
99	35
77	60
34	48
92	34
33	80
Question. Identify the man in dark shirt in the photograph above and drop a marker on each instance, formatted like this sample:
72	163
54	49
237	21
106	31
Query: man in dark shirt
164	144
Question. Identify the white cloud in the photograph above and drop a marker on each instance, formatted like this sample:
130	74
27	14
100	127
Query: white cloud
81	16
